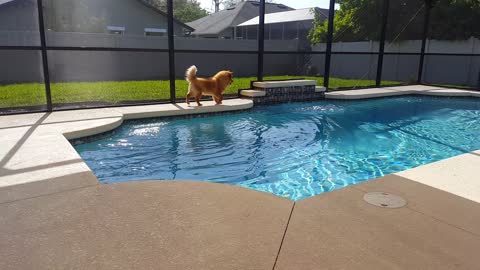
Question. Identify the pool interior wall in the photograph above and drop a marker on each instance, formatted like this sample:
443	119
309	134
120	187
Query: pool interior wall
293	150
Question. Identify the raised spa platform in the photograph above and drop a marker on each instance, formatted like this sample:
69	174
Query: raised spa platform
271	92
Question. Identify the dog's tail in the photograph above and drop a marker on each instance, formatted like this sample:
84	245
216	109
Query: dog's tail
191	73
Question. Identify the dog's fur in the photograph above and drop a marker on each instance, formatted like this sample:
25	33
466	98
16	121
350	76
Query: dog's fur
214	86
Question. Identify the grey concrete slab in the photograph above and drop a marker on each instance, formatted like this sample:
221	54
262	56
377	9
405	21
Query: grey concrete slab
339	230
144	225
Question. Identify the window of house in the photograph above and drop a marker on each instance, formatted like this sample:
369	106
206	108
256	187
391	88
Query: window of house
159	32
116	30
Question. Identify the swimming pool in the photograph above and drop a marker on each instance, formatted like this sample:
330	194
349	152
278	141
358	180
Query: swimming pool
294	150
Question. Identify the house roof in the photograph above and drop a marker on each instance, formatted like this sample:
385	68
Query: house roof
297	15
217	22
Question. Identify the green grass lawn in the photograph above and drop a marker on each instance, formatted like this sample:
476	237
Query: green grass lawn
28	94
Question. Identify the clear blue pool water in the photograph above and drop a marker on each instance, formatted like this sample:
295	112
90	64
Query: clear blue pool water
292	150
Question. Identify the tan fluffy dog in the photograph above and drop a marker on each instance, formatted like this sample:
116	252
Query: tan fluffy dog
214	86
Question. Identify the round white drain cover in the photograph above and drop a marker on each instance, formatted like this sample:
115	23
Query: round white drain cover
385	200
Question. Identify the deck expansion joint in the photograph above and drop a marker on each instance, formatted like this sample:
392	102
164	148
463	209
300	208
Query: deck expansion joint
283	237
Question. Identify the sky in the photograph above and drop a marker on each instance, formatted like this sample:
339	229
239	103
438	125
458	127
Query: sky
208	4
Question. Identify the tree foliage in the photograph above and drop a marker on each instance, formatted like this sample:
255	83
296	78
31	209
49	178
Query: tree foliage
360	20
187	11
183	10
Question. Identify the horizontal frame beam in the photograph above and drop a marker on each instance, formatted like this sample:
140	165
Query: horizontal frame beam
108	49
21	48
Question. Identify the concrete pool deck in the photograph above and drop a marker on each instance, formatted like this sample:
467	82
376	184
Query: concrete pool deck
55	214
401	90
